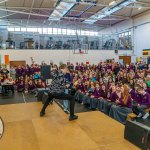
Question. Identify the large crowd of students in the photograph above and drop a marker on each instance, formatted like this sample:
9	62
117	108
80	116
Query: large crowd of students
113	88
24	78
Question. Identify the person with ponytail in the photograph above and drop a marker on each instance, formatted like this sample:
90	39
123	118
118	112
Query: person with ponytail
123	106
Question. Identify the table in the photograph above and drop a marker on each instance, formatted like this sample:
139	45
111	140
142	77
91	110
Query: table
6	87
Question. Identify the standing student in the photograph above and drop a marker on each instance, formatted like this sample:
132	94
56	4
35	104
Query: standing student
57	90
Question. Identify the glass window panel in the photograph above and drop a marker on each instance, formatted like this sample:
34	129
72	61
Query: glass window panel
11	29
91	33
29	29
73	32
44	30
78	32
23	29
17	29
69	32
130	33
82	32
59	31
96	33
40	30
126	34
34	29
54	30
50	30
64	31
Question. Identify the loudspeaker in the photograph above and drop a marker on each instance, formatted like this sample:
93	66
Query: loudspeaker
116	51
138	134
46	72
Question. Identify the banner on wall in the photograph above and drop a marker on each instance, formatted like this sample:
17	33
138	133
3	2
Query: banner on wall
6	58
146	52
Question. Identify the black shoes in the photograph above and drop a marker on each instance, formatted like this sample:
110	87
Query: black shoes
42	114
70	118
73	118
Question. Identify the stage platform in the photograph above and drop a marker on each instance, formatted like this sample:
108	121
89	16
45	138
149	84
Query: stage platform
25	130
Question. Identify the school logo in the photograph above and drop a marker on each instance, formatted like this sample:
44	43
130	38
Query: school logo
1	127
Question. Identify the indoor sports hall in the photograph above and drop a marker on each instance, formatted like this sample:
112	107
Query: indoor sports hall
74	74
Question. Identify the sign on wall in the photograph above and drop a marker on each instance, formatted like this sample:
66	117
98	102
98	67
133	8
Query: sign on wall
146	52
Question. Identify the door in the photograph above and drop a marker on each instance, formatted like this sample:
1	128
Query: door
17	63
126	59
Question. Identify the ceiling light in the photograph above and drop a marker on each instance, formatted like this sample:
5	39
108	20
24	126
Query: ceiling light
112	3
108	11
61	9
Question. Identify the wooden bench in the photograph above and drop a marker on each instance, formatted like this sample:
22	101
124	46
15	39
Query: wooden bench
132	115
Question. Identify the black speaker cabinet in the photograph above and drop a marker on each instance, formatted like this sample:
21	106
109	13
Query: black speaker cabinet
116	51
138	134
46	72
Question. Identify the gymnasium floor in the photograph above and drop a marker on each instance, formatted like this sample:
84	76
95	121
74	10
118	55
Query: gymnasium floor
25	130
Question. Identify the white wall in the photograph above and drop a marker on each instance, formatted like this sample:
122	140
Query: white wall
94	56
140	28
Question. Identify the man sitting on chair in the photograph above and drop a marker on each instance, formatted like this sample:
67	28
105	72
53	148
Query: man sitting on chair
57	90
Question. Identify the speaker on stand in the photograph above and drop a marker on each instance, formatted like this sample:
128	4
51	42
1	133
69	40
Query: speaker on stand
46	73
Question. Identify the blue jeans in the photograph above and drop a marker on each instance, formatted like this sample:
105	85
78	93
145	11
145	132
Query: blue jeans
65	102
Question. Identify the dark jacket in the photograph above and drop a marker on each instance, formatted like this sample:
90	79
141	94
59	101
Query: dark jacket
59	82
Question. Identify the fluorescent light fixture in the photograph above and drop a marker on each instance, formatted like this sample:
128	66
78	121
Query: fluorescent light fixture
139	6
3	1
61	9
107	11
112	3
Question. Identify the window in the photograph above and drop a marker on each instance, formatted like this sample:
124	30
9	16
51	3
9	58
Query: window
11	29
87	33
44	30
39	30
50	30
92	33
59	31
54	30
64	31
69	32
34	30
17	29
82	32
78	32
23	29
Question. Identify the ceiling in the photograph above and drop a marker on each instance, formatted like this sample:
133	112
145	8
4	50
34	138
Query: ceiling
36	13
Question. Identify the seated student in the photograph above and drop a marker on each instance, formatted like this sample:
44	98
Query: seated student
94	98
143	104
89	94
36	76
97	91
144	85
31	87
20	86
86	86
80	86
40	84
131	91
112	97
103	92
147	80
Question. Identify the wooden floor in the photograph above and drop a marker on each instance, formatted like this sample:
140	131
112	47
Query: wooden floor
25	130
